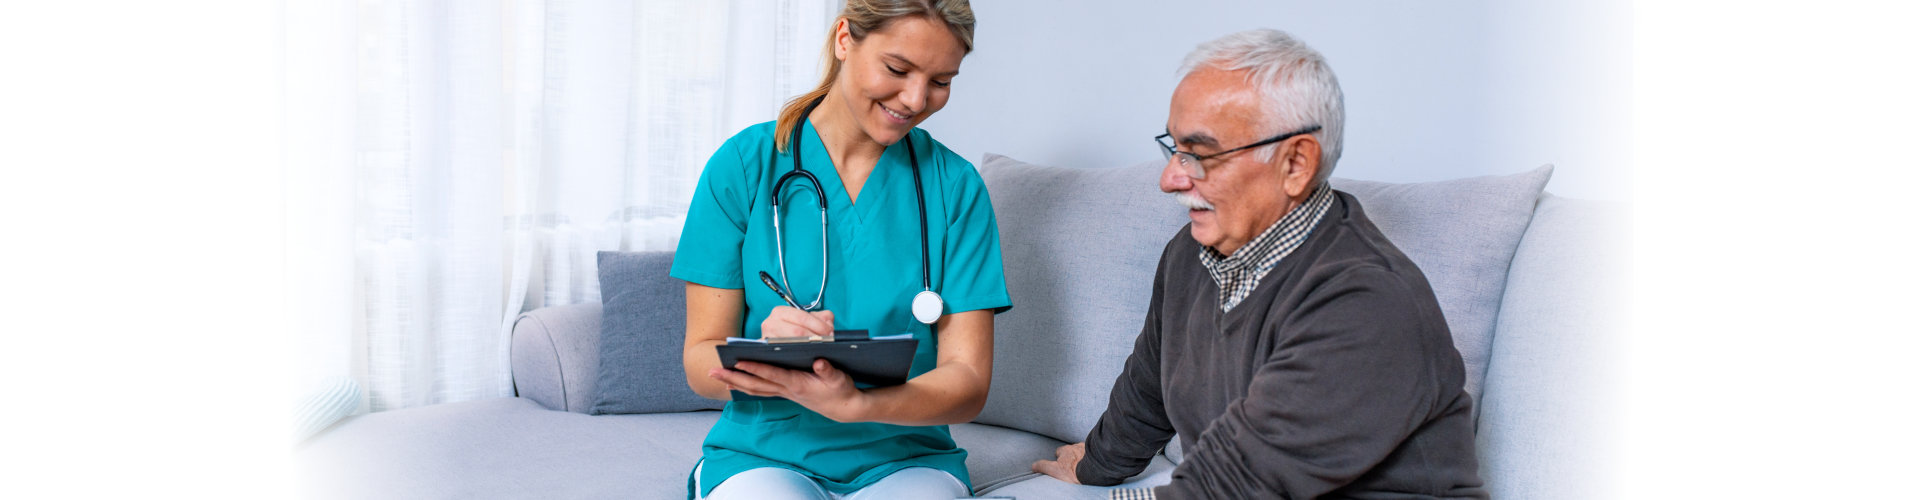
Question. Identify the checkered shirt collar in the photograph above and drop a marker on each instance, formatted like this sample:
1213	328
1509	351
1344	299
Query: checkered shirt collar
1238	274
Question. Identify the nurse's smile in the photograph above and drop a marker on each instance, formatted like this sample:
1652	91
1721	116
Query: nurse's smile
896	117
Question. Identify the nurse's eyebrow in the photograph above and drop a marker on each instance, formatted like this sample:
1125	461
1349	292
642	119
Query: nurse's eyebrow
910	64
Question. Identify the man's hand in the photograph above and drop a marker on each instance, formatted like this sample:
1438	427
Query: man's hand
1065	465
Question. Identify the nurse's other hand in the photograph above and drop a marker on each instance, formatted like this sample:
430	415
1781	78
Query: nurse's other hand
1066	465
789	321
825	390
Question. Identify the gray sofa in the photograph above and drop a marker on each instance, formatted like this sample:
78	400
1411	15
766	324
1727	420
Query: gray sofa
1527	279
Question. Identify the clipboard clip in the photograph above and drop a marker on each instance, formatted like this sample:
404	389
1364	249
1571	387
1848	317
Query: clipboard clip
838	335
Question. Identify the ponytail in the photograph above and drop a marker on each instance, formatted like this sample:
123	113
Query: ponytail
790	115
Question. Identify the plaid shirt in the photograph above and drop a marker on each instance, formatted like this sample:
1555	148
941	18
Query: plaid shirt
1238	274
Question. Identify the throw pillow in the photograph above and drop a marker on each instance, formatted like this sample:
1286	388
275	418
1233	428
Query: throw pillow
642	329
1079	248
1462	233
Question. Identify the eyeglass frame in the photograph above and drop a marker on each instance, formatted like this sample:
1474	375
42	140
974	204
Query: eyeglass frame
1199	171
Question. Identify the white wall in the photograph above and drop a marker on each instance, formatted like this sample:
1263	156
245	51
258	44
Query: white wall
1435	90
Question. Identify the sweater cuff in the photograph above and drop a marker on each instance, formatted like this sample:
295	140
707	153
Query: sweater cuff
1091	472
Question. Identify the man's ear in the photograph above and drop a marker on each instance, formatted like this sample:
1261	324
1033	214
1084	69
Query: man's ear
842	39
1300	163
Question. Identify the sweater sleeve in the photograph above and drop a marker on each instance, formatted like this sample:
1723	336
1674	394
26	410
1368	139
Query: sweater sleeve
1135	425
1349	382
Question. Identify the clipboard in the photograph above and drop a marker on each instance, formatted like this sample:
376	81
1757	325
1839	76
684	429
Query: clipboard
869	362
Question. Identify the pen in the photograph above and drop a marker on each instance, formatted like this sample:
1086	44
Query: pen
765	278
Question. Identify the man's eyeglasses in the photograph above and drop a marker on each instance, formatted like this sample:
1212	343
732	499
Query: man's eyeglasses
1192	161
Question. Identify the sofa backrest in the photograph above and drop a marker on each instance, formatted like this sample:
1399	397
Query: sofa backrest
1080	247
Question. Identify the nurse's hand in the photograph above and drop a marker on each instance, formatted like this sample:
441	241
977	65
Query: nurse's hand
825	390
789	321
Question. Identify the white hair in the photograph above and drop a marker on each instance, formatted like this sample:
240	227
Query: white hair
1298	86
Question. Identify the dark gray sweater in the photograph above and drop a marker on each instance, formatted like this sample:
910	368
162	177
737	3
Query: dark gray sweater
1335	378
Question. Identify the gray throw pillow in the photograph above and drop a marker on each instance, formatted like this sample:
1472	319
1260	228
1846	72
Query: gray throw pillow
642	329
1080	247
1462	233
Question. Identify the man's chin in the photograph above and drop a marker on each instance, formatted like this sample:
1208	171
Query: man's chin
1203	228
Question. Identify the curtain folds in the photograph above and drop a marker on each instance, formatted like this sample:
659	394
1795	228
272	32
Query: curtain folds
497	146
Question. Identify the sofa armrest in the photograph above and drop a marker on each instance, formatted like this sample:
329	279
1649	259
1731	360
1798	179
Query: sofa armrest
556	356
1546	419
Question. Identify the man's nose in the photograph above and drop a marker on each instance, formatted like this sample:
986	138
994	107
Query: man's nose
1173	177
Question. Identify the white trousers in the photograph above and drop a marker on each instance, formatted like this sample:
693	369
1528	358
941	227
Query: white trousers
774	483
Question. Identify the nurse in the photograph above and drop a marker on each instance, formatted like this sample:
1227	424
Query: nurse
892	63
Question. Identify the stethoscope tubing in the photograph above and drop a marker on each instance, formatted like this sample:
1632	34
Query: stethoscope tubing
799	171
780	247
920	196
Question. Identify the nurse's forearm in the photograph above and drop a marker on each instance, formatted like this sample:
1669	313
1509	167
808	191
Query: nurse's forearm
951	393
697	367
713	314
938	397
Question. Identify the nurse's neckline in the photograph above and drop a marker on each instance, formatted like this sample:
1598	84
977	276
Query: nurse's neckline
853	154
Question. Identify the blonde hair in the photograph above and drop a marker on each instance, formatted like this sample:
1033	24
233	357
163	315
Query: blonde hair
864	17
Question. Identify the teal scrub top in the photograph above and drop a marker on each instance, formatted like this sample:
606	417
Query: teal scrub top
873	272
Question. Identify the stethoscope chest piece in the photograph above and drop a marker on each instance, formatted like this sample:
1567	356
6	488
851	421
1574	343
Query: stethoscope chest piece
927	306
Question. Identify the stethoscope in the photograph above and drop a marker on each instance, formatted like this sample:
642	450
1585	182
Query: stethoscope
927	304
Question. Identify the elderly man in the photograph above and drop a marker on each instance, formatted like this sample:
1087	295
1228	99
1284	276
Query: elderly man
1297	353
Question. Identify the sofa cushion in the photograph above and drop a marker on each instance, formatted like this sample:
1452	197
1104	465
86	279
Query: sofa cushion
1158	472
1080	247
997	455
1543	429
642	333
515	448
503	448
1462	233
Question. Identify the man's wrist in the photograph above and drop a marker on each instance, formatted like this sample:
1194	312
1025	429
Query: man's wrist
1082	467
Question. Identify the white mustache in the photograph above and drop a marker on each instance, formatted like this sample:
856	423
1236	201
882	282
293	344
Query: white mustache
1187	199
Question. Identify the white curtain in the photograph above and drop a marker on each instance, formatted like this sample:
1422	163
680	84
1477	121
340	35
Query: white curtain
482	152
